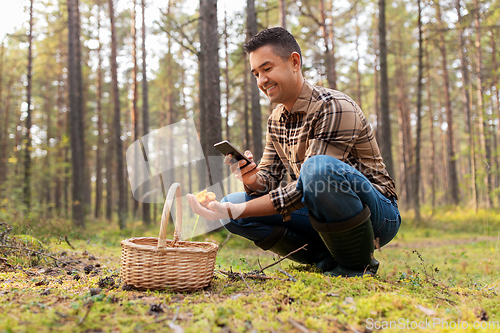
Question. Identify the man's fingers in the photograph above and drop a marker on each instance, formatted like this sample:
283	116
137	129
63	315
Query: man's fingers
248	154
211	215
229	160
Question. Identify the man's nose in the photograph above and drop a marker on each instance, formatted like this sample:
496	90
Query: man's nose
261	80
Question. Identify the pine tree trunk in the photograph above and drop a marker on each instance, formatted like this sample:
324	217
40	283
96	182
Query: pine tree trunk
332	50
255	98
330	72
385	121
359	91
282	13
122	213
100	136
464	69
2	110
432	166
134	113
496	107
81	121
146	208
416	186
483	140
27	140
226	77
376	87
444	157
58	203
245	108
405	126
202	95
450	153
77	155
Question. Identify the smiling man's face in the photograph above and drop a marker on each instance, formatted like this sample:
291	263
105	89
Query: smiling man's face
281	80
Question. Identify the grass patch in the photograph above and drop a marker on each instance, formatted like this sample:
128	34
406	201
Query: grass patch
429	275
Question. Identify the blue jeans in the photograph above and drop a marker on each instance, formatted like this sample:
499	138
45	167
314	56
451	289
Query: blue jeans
332	191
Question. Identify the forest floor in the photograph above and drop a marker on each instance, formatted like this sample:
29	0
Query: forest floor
436	277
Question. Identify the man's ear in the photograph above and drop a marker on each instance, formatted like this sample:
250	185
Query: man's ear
295	61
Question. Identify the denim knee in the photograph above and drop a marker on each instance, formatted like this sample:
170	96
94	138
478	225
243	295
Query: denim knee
320	174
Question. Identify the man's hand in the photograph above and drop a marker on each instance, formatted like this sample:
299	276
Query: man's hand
245	174
224	210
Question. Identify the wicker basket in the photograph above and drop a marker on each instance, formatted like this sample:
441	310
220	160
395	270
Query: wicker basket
159	263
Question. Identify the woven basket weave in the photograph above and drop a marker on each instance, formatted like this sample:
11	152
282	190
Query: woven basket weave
159	263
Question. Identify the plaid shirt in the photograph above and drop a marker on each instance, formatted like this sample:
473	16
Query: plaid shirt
322	122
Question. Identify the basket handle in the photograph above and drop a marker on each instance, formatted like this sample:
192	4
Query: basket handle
174	190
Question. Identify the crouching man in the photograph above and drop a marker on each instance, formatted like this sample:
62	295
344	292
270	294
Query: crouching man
341	201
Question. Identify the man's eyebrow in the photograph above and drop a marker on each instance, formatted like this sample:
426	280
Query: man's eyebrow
262	65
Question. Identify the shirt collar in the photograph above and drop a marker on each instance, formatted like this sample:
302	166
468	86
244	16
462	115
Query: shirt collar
303	101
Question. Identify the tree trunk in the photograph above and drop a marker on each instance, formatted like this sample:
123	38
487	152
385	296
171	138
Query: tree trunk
245	107
359	91
2	133
416	186
122	214
332	51
81	104
255	98
226	77
202	168
444	162
330	71
100	136
450	154
376	87
210	50
385	119
45	191
432	166
282	13
134	113
170	176
146	209
464	69
485	147
27	140
77	155
497	106
61	129
406	173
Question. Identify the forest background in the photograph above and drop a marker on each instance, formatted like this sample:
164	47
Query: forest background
77	90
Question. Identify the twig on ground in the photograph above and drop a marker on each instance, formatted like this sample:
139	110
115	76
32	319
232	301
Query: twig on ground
233	275
176	328
225	241
447	300
287	274
30	250
298	325
283	258
87	313
176	314
67	241
258	261
243	278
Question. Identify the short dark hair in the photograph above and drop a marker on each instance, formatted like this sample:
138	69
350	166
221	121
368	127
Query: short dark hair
282	41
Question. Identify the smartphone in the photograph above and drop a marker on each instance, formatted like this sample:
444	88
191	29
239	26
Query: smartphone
225	147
